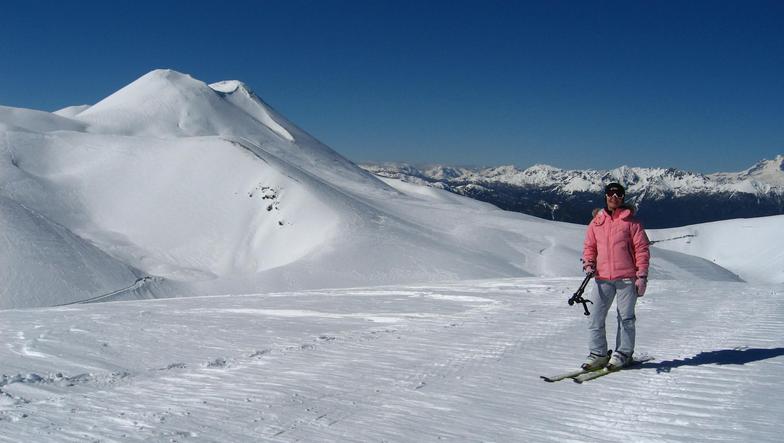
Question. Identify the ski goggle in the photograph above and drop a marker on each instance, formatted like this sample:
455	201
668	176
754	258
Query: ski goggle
614	193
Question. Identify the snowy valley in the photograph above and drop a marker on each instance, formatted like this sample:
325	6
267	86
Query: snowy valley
255	285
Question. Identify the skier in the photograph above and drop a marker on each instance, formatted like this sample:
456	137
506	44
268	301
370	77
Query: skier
616	252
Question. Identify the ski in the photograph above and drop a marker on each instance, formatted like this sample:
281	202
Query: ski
566	375
604	371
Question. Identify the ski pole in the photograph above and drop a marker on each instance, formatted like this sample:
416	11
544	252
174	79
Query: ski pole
578	295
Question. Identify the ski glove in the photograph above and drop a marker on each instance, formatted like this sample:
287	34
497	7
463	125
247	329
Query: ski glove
589	269
640	284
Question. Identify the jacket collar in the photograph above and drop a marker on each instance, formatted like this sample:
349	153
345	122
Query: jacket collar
624	212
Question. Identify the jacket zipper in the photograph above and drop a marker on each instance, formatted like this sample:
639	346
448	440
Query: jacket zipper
608	239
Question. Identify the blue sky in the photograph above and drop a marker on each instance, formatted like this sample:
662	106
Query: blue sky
691	85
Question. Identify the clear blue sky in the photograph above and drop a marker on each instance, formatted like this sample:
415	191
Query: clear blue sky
692	85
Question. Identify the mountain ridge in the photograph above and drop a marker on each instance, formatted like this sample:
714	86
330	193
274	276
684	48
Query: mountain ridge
665	195
765	176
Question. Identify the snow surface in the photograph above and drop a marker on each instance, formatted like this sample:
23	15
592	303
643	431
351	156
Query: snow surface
458	361
746	246
449	312
71	111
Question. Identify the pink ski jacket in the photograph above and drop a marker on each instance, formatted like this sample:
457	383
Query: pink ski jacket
616	245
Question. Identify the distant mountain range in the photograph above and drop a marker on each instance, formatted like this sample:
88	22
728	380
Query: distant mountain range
664	197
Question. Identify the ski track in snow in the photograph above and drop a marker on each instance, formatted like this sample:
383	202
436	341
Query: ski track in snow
454	362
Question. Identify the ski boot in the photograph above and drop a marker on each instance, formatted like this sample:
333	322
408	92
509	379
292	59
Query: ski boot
595	361
618	360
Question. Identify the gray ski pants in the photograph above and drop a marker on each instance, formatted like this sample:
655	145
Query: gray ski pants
603	294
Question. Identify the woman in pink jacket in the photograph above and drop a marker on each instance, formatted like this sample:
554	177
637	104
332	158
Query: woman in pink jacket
616	252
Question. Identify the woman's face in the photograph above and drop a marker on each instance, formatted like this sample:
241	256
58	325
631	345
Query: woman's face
614	200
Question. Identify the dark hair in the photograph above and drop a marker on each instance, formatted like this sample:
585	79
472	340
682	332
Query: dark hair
614	187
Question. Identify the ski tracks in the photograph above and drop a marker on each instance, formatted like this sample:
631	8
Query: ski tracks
421	369
706	375
462	365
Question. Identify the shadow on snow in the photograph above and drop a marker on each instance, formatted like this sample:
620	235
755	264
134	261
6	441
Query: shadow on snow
736	356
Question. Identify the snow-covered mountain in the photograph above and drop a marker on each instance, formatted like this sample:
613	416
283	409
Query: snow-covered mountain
666	197
765	177
173	187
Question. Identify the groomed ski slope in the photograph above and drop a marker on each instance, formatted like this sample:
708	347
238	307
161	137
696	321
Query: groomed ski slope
455	362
